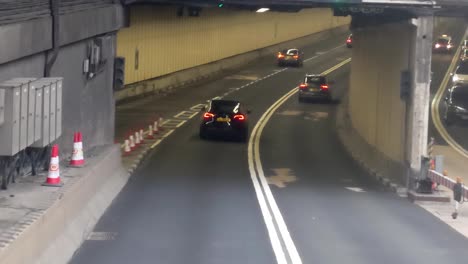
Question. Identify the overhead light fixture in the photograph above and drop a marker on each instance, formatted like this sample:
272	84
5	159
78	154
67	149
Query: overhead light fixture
262	10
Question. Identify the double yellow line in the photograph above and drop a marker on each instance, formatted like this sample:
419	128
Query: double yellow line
276	226
436	102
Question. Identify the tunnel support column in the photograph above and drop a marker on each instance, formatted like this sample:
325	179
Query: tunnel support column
419	101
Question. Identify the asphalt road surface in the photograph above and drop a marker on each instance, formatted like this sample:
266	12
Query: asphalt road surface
200	202
440	65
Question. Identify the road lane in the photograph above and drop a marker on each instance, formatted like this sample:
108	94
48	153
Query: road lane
192	201
330	223
440	64
132	115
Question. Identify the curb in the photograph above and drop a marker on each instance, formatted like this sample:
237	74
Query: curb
343	123
52	234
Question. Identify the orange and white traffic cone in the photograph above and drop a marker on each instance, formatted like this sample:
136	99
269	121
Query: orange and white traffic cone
77	159
156	127
137	138
150	132
53	177
127	148
132	142
142	136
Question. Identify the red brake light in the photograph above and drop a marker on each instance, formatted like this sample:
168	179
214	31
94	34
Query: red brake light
280	55
303	86
295	56
239	117
208	115
324	87
348	40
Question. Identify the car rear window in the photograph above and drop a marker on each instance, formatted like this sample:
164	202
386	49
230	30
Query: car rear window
315	80
292	52
442	41
224	107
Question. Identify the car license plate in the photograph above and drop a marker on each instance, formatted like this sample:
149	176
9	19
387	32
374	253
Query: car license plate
313	89
223	119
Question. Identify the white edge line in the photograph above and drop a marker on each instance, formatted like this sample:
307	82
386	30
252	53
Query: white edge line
156	143
181	123
168	133
193	115
180	114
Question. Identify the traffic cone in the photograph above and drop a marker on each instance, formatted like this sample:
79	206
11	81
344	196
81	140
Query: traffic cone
156	127
142	136
160	122
150	132
132	143
127	148
137	139
53	177
77	159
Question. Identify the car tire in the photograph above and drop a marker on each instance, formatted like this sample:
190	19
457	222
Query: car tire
244	136
202	134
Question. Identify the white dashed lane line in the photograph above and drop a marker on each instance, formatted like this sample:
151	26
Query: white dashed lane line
182	117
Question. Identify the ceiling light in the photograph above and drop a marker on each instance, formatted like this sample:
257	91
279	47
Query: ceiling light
262	10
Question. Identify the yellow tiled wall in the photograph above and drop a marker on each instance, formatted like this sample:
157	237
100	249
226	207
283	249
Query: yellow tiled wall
158	42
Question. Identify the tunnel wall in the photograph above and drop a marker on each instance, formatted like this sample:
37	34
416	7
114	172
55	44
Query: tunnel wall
375	123
158	42
375	107
88	104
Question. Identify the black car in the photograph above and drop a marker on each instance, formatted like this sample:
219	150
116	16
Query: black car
314	86
293	57
226	118
456	104
349	41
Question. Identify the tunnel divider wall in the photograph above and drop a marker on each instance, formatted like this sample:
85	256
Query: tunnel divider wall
386	171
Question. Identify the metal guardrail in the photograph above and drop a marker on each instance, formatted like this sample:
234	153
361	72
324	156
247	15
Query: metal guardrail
445	181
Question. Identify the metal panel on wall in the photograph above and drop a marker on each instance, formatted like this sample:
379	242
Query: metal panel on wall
2	106
44	139
27	111
9	130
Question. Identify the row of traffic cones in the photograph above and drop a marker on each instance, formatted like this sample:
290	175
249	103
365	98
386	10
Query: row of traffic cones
77	161
138	138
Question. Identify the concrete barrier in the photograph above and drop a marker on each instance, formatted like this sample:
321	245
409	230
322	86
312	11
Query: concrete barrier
167	83
386	171
53	234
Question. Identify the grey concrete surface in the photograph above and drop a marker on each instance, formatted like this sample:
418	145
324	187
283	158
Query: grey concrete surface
192	201
47	224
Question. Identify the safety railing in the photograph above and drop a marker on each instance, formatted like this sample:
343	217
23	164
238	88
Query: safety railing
445	181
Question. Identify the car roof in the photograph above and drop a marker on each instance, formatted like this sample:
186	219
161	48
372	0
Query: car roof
287	50
446	37
314	75
222	101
